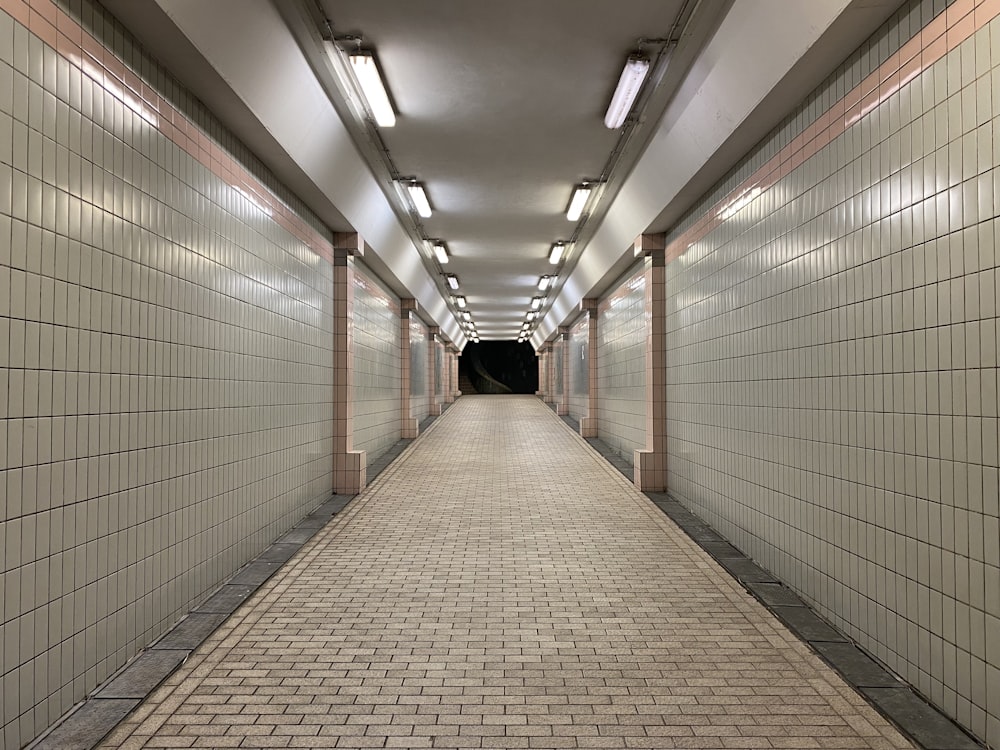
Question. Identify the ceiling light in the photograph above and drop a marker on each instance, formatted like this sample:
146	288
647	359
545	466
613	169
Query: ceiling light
545	282
536	302
629	85
419	197
532	315
452	280
556	253
366	71
461	302
441	253
467	316
576	205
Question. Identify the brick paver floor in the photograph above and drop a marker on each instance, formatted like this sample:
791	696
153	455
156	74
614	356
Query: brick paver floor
501	586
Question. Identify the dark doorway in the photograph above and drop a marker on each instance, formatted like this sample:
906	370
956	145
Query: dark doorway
499	367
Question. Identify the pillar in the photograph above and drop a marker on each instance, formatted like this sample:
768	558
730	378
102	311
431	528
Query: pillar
411	426
588	424
456	392
651	462
432	341
349	465
562	405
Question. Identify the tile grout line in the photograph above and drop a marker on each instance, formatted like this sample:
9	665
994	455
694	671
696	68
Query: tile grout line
75	722
87	723
918	719
321	561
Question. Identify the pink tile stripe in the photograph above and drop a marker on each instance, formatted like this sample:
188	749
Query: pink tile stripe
948	30
61	32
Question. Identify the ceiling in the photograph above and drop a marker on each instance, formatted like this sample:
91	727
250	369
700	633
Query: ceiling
499	114
500	110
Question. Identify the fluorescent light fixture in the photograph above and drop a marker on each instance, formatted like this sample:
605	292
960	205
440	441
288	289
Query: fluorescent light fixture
545	282
536	302
370	80
475	339
576	205
556	253
629	85
441	253
532	315
467	316
461	302
419	197
452	280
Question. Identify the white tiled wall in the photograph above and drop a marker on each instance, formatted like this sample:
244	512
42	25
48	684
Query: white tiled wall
439	370
832	350
377	369
557	369
164	371
579	378
419	395
621	365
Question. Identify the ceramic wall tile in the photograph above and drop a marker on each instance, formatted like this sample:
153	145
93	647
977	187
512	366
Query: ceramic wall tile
832	353
165	356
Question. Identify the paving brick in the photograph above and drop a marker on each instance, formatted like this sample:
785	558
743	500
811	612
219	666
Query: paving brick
502	586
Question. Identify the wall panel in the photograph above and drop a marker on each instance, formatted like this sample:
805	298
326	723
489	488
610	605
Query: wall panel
165	365
377	369
832	353
621	365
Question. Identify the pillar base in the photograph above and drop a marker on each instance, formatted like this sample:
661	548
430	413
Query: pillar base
650	473
588	427
350	472
435	410
410	429
562	410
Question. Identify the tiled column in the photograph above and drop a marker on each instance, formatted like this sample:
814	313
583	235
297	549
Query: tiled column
562	407
348	464
432	344
651	463
411	426
588	424
456	391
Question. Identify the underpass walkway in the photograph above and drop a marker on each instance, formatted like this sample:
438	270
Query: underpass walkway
501	586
